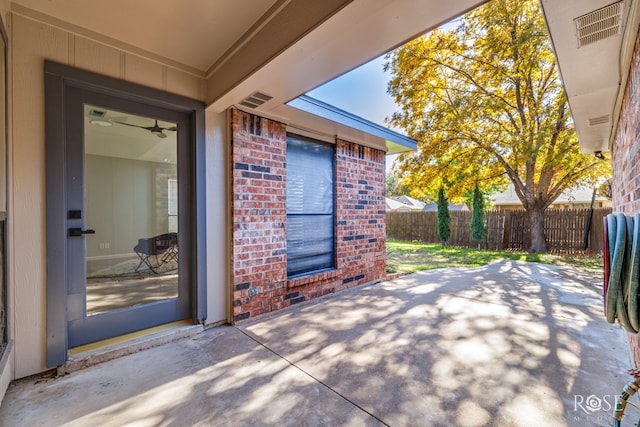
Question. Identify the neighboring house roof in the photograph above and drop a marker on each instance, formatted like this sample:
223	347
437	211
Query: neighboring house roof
433	207
572	195
409	201
394	205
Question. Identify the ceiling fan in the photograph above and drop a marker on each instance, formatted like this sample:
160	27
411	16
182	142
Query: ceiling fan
155	129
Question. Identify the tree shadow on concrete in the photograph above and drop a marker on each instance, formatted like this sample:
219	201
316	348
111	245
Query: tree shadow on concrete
507	344
221	377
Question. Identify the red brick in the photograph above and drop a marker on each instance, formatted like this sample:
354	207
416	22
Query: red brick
259	219
626	158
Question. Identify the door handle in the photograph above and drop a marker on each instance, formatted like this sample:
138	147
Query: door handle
77	232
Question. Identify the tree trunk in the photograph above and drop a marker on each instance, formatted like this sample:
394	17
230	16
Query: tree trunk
538	241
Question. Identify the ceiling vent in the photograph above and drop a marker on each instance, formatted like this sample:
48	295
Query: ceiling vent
594	121
599	24
255	100
97	113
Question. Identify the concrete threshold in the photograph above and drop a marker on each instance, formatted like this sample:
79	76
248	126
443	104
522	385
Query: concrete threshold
102	351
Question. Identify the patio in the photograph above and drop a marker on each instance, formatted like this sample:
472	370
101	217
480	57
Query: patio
509	344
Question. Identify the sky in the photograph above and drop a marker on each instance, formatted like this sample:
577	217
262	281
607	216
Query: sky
362	91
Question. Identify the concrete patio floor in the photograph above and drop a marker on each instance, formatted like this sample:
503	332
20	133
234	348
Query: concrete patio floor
509	344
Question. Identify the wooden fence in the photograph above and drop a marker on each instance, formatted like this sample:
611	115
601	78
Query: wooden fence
423	227
564	229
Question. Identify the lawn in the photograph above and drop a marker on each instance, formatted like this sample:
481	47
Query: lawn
410	257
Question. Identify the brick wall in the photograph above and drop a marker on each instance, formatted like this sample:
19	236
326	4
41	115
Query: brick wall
259	220
626	158
360	212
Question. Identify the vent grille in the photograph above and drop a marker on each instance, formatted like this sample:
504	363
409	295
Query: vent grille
594	121
255	100
599	24
97	113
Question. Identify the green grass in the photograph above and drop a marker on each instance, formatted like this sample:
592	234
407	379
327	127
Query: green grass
410	257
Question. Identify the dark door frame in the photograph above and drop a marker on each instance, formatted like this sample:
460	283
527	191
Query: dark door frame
81	328
59	78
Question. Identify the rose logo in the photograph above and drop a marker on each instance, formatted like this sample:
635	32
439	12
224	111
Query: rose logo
593	403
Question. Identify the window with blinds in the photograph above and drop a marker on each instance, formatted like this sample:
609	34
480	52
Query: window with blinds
310	206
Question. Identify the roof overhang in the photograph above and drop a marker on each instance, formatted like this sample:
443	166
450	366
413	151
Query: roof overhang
360	31
348	126
316	119
594	74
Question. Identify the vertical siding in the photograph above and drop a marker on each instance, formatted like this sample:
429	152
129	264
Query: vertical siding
138	70
94	56
218	194
31	42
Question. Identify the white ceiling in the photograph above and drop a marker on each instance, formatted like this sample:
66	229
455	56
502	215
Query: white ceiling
106	136
194	33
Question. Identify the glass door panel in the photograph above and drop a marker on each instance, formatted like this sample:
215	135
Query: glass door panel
131	208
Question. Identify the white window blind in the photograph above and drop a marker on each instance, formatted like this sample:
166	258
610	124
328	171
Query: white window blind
310	206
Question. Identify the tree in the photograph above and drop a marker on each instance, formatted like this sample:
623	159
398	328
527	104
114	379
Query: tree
392	184
444	231
395	186
605	190
478	226
486	105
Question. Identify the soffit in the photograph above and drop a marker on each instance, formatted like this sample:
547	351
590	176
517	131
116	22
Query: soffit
281	47
194	33
594	74
361	31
